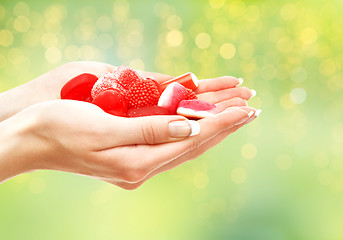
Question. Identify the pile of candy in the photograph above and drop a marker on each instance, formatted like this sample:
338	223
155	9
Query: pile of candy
124	92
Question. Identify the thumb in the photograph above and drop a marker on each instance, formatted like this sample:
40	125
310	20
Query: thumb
156	129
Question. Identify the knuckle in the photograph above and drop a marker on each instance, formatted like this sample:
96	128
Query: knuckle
194	144
237	101
148	133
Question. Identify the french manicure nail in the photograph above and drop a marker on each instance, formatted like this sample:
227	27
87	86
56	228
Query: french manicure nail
253	93
258	112
240	81
195	127
183	128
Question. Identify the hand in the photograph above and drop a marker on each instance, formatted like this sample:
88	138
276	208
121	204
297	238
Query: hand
47	87
79	137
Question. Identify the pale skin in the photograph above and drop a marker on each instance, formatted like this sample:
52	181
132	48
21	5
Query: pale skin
39	131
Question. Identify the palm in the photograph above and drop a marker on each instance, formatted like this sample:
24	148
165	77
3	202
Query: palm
220	91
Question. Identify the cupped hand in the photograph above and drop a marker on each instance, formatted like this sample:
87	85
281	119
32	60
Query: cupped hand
222	91
80	138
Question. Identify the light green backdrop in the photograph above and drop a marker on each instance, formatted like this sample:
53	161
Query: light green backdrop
279	178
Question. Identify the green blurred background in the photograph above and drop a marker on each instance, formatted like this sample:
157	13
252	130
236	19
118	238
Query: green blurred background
279	178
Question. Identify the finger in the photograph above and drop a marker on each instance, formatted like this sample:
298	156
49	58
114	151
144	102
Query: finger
222	95
234	102
148	130
178	161
216	84
209	126
189	155
141	160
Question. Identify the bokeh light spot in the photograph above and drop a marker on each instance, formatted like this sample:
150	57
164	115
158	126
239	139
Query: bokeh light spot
220	25
174	38
203	40
327	67
55	13
72	53
239	175
15	56
308	35
88	52
137	64
2	12
298	95
49	40
289	11
174	22
236	8
285	102
120	10
252	13
285	44
21	9
53	55
21	24
249	151
200	180
6	38
217	3
104	23
227	51
268	72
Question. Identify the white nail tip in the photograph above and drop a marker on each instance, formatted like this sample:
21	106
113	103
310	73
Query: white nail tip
250	114
253	93
195	127
258	112
240	81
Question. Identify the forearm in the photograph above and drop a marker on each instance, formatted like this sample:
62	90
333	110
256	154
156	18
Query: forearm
18	149
17	99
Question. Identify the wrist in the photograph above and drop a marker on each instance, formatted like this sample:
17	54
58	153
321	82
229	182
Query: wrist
18	148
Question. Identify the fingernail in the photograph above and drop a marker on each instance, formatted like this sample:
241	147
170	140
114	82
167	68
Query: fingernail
253	93
250	114
183	128
240	81
258	112
195	126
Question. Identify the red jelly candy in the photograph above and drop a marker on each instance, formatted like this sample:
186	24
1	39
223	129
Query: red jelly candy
79	88
112	102
147	111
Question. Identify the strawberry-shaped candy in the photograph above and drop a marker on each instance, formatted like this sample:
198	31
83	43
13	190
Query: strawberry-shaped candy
142	93
107	81
112	102
79	87
126	76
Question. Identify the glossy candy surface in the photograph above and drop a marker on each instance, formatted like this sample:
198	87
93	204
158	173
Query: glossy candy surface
112	102
79	88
